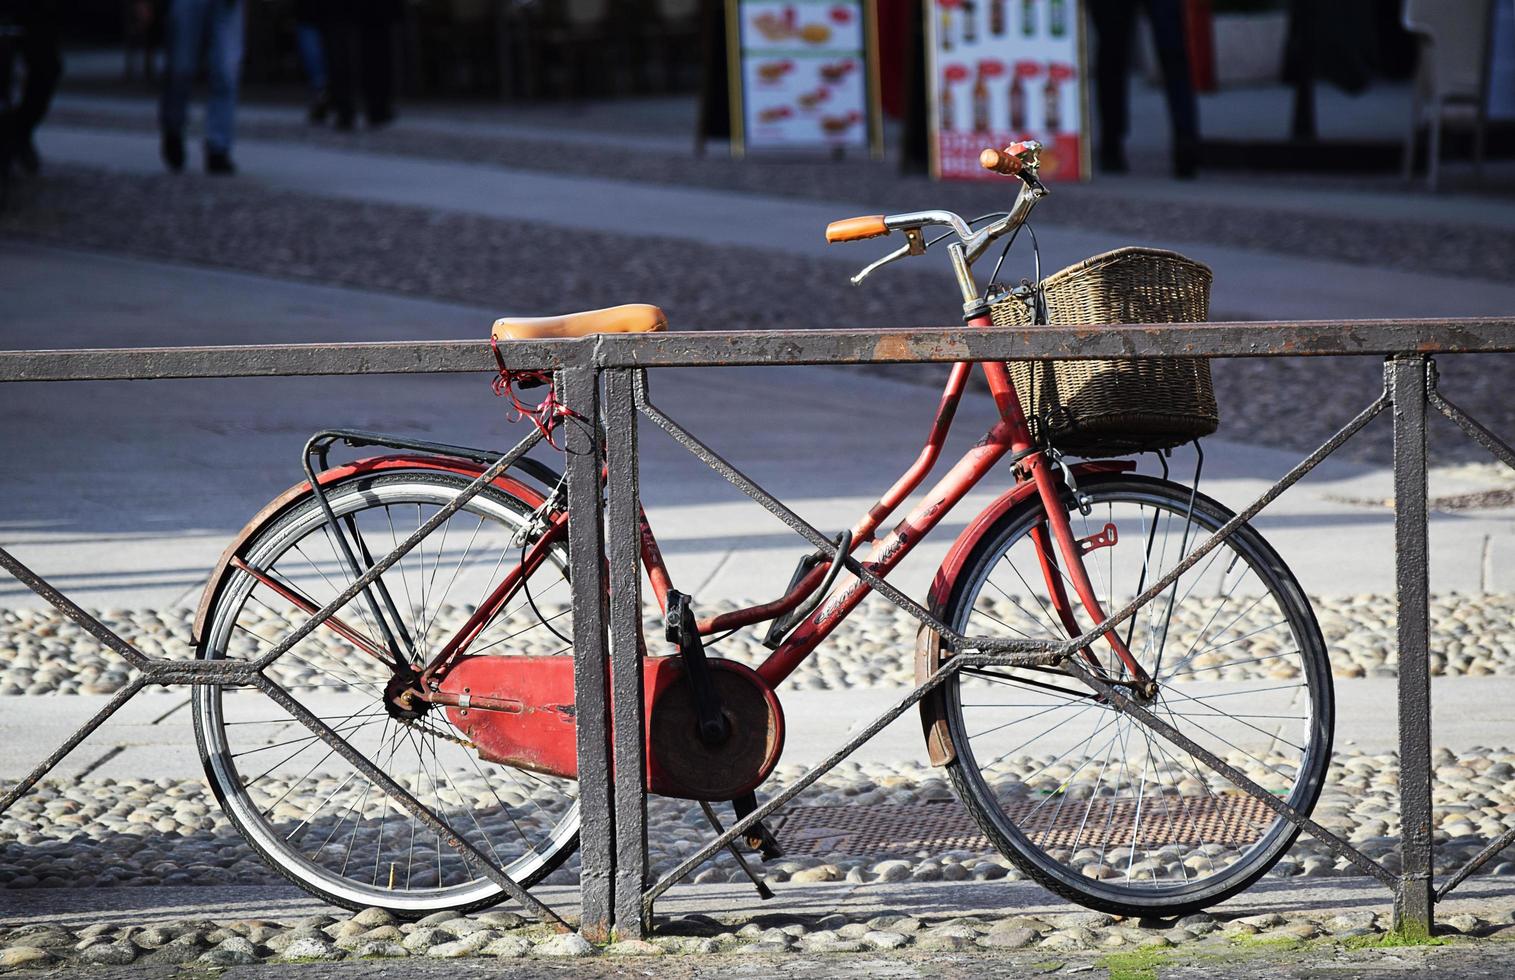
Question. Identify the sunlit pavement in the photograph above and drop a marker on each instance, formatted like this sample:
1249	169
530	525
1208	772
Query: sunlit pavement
124	493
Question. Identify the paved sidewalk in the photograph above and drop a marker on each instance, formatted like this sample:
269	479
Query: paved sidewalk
1489	898
1248	284
237	443
124	493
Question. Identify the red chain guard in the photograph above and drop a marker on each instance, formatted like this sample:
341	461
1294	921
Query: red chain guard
521	713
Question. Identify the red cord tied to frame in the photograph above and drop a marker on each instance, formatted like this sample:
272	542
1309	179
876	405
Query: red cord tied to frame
546	413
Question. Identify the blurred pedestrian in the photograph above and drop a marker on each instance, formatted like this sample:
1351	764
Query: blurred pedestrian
360	53
212	28
1114	33
311	43
37	47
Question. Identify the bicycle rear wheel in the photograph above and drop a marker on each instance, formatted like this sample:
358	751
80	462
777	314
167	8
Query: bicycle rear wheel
1083	798
321	822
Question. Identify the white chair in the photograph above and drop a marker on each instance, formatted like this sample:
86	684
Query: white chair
1453	72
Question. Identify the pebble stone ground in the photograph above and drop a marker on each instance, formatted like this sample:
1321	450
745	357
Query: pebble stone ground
1448	248
107	832
375	935
136	832
44	654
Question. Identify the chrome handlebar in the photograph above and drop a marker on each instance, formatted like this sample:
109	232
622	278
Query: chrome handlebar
970	244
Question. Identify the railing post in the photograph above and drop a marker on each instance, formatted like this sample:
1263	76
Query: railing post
580	386
623	539
1407	378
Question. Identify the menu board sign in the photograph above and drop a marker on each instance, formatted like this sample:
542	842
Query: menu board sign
1002	71
802	74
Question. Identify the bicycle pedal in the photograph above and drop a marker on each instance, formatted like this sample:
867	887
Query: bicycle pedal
764	843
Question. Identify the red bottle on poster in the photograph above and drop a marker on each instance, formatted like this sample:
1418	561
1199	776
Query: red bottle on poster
1052	93
951	75
1023	71
981	108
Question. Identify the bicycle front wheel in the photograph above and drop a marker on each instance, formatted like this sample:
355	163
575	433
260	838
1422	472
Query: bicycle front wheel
1083	798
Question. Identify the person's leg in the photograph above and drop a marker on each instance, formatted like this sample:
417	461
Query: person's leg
1113	22
338	35
312	56
184	26
224	62
378	65
1183	109
39	47
313	59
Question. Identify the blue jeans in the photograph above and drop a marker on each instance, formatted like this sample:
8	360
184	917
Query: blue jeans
212	28
313	56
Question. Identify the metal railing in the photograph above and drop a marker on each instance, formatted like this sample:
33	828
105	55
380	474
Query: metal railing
603	377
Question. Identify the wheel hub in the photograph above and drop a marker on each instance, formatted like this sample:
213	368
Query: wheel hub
402	697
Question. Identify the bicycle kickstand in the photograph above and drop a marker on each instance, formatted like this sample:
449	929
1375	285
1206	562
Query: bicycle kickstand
764	892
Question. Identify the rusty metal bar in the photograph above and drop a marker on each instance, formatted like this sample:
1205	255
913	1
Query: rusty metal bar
402	798
986	658
1476	430
1303	338
362	582
69	608
223	673
273	360
623	541
1300	338
794	789
579	388
1239	779
151	671
1063	651
1478	860
1501	451
806	530
1407	378
84	731
614	857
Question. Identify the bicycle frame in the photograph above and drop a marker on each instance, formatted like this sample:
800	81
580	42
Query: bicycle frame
1059	551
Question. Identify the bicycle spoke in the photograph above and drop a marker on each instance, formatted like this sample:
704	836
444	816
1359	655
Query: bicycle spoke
1105	805
311	810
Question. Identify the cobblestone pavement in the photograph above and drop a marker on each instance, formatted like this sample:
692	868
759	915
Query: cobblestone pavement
744	943
1281	960
516	266
42	653
139	832
1449	249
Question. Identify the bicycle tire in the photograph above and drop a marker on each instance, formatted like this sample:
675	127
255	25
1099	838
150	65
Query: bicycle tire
1135	897
352	496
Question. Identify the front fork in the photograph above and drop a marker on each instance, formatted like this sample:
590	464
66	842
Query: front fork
1036	467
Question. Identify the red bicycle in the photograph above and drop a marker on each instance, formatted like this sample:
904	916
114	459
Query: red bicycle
454	671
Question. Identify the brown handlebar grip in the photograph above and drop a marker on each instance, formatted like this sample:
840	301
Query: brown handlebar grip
856	229
1002	161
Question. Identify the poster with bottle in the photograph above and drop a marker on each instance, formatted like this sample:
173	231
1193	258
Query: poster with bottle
803	75
1002	71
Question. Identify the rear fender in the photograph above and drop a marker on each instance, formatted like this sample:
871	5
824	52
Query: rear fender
297	494
928	642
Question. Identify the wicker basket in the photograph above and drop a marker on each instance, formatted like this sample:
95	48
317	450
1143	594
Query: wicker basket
1116	408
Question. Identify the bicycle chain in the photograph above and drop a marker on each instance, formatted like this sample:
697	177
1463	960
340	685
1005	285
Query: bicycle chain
421	726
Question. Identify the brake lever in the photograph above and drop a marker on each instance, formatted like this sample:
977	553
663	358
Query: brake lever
915	245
